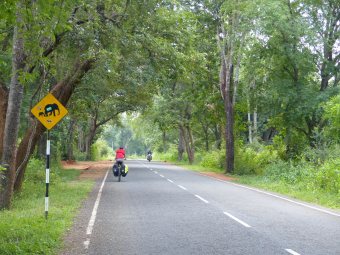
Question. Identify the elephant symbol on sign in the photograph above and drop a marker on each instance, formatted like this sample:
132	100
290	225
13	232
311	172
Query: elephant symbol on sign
51	109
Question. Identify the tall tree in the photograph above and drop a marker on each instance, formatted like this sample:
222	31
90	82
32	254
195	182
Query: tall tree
7	176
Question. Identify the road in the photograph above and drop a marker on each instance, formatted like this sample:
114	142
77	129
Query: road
163	209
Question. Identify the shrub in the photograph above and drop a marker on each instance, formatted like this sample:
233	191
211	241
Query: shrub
36	171
213	159
328	176
288	172
171	155
252	160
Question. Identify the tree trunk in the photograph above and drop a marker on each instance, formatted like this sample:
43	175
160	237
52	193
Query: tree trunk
188	142
206	136
225	86
164	141
89	139
229	135
81	143
15	97
218	137
62	91
3	110
180	144
41	148
250	131
255	124
70	155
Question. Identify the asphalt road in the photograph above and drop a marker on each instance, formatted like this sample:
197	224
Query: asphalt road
163	209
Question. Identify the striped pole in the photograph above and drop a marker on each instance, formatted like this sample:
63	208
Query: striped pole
48	150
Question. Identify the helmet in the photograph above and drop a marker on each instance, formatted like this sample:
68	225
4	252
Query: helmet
121	147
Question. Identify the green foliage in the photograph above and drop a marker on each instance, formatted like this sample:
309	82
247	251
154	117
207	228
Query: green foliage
101	150
171	155
288	172
36	172
332	118
213	159
327	177
24	230
253	159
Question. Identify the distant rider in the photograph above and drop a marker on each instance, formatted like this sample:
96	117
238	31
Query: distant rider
120	156
149	155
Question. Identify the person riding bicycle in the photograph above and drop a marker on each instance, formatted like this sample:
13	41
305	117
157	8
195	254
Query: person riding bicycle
120	156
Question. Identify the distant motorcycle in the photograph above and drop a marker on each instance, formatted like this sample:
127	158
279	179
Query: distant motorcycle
149	157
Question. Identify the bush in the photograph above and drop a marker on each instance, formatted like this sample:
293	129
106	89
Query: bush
328	176
213	159
171	155
252	160
36	171
289	172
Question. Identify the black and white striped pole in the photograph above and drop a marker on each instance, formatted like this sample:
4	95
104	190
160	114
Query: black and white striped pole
48	152
49	111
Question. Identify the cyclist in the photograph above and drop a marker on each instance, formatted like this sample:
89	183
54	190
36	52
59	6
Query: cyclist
120	156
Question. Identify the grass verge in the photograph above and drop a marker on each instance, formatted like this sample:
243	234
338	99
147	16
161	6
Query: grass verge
297	191
24	230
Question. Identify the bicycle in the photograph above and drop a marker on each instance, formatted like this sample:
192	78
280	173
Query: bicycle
119	170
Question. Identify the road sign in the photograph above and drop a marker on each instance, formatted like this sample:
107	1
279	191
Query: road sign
49	111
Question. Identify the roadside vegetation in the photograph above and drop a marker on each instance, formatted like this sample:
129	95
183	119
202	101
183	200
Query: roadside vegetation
246	88
24	229
308	178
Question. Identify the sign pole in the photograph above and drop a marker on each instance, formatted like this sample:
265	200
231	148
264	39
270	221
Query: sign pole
49	111
48	150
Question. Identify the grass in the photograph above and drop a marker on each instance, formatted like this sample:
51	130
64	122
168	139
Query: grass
24	230
298	191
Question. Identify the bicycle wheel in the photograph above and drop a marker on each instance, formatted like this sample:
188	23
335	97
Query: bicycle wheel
119	172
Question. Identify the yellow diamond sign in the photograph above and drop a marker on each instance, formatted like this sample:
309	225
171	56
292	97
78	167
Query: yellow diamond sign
49	111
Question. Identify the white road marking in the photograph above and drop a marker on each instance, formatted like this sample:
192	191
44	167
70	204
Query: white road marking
292	252
184	188
283	198
170	180
87	243
94	213
161	176
238	220
201	198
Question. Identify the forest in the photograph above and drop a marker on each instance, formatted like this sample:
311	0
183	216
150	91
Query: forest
244	87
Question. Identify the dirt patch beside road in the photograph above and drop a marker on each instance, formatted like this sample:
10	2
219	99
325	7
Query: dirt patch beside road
218	176
92	170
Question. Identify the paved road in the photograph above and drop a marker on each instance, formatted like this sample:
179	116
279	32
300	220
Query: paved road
163	209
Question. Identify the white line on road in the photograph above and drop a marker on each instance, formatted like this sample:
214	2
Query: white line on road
170	181
205	201
184	188
292	252
94	213
87	243
238	220
283	198
161	176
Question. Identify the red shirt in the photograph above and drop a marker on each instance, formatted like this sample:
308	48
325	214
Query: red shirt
120	153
